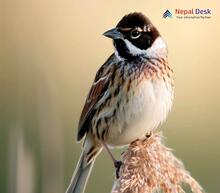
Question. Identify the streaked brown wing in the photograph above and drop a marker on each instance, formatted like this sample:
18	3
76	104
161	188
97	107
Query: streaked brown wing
97	90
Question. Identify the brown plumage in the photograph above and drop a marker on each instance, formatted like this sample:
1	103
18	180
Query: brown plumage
98	88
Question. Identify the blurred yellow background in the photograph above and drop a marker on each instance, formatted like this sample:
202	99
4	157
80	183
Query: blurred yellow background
50	51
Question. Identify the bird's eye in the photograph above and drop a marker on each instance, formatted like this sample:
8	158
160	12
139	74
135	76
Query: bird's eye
135	34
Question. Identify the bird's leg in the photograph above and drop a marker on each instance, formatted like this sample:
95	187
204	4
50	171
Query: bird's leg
117	163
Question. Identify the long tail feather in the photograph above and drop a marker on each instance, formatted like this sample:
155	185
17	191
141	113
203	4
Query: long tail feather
80	176
84	166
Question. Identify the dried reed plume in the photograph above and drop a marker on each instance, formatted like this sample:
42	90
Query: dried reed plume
150	167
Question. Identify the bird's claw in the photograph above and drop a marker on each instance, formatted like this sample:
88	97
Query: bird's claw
148	134
117	165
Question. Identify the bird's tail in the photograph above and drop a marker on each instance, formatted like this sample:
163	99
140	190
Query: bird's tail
83	168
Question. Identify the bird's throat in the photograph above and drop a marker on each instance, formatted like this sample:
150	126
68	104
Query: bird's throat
124	52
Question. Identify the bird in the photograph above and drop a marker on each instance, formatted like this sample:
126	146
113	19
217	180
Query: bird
131	95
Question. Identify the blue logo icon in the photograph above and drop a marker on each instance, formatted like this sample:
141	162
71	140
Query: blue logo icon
167	13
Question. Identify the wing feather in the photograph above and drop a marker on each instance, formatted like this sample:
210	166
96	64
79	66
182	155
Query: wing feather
97	90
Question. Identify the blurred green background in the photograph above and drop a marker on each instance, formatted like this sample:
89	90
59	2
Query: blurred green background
50	51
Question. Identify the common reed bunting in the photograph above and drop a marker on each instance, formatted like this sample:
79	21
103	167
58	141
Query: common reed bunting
131	95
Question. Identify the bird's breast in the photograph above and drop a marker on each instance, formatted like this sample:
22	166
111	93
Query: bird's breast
142	108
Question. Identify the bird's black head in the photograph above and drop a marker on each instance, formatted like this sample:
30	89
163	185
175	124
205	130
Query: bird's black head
133	35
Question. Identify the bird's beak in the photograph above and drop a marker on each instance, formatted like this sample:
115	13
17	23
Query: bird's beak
113	34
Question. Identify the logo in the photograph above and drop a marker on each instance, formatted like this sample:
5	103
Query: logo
191	13
167	13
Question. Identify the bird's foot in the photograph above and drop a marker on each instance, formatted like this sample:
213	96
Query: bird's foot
148	134
117	165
